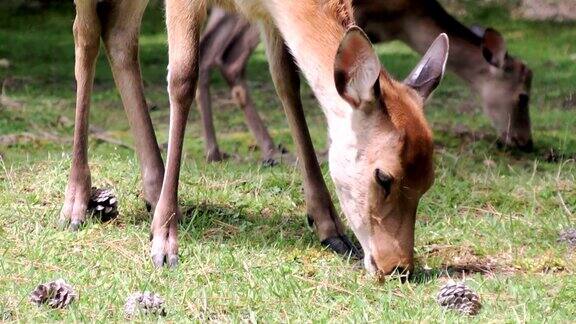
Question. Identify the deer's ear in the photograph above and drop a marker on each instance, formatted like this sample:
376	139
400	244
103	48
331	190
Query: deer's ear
494	48
427	75
356	68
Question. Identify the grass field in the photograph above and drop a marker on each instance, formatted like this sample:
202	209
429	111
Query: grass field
492	216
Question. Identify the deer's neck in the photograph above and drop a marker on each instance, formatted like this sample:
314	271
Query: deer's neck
313	33
418	24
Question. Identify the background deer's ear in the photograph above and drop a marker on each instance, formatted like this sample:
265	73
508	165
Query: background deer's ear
427	75
356	68
494	48
478	30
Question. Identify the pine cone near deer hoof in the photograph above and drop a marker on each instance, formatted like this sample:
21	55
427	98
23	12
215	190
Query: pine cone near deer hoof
56	294
144	303
103	204
458	297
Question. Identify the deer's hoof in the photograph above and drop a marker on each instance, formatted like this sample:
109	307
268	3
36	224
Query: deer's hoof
164	250
75	205
160	260
343	246
216	156
75	225
172	261
269	162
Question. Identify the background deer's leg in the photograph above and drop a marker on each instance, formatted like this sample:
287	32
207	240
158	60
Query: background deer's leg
120	34
233	67
212	44
184	20
318	202
204	102
86	42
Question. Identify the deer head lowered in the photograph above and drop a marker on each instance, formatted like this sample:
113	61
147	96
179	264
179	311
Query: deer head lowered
383	165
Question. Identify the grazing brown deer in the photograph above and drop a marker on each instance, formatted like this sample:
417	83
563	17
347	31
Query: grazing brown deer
381	146
478	56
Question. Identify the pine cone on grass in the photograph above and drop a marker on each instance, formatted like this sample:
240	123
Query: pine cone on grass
568	236
459	297
103	204
145	303
57	294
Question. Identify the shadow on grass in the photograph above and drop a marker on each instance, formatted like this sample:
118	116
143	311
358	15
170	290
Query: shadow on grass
223	223
463	137
456	271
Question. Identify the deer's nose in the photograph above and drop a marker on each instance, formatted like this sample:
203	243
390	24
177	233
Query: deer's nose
401	268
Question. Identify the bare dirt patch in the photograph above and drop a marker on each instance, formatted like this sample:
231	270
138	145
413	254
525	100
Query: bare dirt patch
462	261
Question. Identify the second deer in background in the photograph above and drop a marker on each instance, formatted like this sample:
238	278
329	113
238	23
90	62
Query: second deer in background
479	57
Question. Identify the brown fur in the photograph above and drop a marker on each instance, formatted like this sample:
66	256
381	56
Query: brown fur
309	33
341	9
407	115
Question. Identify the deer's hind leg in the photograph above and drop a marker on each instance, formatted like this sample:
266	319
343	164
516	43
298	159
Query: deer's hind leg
86	42
120	30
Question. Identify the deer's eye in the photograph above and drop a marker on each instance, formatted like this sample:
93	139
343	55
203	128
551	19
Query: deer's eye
384	179
508	68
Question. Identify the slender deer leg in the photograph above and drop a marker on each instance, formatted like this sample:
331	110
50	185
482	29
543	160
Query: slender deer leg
204	103
212	43
86	41
241	95
184	20
120	35
318	202
233	67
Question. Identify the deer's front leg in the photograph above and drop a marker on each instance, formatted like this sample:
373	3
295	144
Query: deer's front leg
184	20
86	41
120	35
321	211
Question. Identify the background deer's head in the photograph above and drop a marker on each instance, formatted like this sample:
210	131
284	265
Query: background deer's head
505	91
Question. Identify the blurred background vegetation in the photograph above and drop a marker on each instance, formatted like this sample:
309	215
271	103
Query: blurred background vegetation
557	10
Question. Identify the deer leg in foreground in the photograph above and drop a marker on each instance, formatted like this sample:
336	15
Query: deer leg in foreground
318	202
183	19
120	35
86	42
